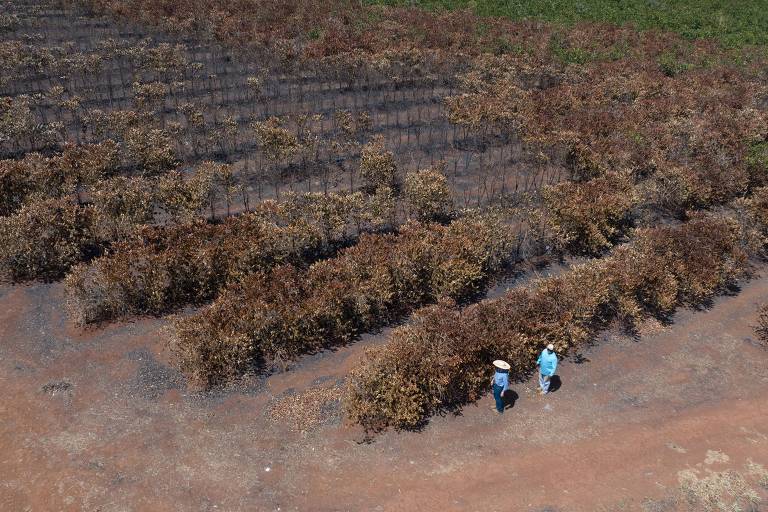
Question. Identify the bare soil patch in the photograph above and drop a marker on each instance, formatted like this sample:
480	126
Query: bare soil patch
98	421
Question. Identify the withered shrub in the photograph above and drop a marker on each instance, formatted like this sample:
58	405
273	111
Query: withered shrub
751	215
675	190
160	269
178	265
377	165
151	150
91	211
44	238
17	181
428	194
442	359
275	316
588	216
757	205
121	204
36	177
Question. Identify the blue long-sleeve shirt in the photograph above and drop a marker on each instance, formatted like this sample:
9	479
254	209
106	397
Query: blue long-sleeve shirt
547	362
501	379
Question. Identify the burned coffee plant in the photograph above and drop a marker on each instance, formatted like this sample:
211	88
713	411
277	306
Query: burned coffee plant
284	177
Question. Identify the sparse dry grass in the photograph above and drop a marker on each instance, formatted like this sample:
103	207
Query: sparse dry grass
762	324
705	490
306	410
758	472
717	491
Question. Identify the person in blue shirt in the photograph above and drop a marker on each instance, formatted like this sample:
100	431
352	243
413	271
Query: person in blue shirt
547	364
500	383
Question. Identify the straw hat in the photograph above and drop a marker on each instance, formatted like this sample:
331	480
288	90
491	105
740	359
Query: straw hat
501	364
550	347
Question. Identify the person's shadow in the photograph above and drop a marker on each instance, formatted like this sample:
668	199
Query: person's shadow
555	383
509	398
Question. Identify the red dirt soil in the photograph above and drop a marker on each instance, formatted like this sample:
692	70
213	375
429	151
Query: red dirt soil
98	420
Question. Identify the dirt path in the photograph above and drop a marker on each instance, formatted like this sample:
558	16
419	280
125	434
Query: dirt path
98	421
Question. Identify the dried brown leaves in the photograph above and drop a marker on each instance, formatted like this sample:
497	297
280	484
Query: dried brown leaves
306	410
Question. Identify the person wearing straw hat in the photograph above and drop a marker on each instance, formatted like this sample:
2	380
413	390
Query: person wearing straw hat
500	383
547	364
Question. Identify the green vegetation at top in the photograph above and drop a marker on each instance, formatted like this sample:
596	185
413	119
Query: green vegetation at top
734	22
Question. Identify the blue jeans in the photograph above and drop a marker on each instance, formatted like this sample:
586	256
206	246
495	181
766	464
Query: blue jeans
497	396
544	382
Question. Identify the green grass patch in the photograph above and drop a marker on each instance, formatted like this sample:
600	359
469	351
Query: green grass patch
735	23
757	162
672	65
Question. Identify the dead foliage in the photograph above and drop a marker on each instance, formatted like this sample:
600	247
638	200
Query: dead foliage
442	359
307	410
276	315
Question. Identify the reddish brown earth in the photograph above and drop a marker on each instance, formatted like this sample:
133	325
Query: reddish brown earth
97	420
